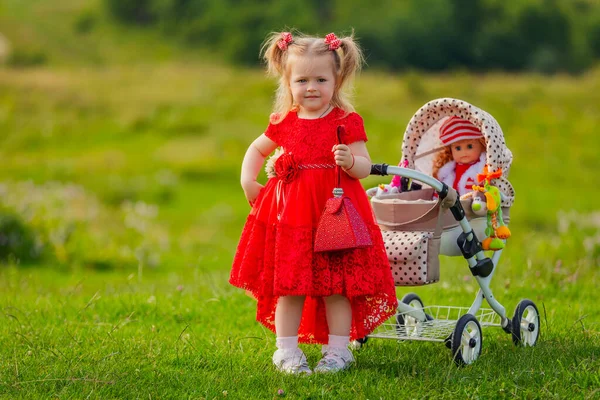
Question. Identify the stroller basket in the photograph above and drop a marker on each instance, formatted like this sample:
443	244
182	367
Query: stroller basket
440	323
416	230
411	226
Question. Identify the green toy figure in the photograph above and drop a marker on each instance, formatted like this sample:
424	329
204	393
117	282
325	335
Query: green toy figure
496	230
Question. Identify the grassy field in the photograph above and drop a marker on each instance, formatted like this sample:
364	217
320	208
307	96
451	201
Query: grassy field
119	193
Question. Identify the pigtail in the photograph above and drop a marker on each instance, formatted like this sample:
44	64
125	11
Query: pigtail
349	60
352	58
284	102
274	52
273	55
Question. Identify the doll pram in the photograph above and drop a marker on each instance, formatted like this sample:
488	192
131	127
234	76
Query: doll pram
428	229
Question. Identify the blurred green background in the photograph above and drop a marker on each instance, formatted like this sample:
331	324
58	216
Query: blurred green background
123	125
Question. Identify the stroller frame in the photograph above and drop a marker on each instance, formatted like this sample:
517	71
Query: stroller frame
459	328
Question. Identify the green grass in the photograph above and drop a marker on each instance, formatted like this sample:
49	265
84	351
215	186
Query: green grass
187	334
120	162
175	142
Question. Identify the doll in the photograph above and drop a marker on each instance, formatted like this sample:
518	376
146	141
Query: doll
463	156
462	165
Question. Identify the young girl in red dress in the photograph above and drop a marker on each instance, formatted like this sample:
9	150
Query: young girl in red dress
303	296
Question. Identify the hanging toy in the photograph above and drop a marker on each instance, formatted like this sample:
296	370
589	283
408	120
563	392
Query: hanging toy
478	204
385	189
496	230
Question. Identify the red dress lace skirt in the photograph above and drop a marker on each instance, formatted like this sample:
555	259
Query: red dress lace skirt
275	257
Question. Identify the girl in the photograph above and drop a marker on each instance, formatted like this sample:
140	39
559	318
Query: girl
458	164
304	296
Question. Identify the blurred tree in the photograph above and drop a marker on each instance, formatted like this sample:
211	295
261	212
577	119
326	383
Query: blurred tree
541	35
133	11
466	21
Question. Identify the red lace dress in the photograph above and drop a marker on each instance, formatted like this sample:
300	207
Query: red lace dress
275	255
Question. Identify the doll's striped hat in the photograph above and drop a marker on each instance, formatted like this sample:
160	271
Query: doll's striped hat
455	129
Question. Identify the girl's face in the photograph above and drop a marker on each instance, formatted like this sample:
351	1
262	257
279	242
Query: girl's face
466	151
312	82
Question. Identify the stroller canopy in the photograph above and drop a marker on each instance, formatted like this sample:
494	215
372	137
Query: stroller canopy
422	137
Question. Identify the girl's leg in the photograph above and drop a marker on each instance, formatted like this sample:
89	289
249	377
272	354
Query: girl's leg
288	315
337	357
288	357
339	315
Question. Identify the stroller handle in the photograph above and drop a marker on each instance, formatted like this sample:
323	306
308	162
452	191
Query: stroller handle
440	187
385	169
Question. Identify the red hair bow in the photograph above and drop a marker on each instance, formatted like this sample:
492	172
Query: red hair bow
286	39
488	176
333	42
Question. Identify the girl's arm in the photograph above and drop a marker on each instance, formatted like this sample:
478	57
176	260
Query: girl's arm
253	162
353	158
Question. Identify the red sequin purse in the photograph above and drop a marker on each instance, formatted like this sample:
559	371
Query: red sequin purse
341	227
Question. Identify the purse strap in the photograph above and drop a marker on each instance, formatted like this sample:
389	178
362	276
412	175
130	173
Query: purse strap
341	130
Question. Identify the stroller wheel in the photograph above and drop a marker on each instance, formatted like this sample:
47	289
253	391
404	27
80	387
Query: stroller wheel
448	342
405	324
526	324
412	299
466	340
358	343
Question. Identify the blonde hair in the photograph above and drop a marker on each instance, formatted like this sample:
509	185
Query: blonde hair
347	61
445	156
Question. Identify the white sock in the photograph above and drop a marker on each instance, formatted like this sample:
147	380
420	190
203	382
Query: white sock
284	343
339	342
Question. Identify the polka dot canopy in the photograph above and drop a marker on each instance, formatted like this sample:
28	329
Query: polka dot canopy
497	153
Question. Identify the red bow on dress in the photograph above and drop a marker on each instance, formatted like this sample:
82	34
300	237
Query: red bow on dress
333	42
286	39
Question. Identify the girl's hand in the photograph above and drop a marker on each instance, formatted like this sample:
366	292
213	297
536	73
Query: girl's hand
343	156
251	190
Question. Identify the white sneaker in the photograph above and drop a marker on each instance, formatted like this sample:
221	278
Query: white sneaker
291	361
334	360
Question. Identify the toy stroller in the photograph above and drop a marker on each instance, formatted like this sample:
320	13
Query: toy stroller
417	228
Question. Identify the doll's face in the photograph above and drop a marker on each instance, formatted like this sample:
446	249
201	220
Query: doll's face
466	151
